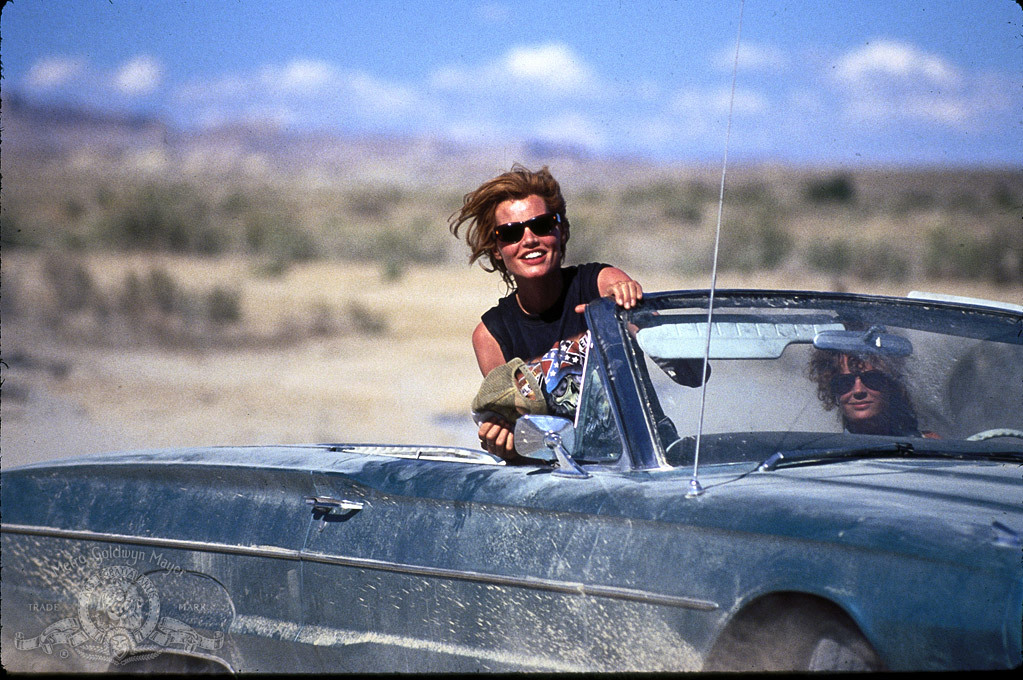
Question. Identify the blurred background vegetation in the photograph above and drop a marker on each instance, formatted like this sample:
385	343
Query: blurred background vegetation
81	187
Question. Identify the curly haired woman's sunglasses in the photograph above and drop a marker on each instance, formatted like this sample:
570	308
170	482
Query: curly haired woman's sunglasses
541	225
872	380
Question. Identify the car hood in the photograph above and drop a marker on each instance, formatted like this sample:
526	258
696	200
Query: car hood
934	509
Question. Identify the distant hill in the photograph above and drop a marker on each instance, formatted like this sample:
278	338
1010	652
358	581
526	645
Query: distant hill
34	132
52	130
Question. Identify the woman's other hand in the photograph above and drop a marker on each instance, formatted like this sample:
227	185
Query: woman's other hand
614	283
497	436
625	293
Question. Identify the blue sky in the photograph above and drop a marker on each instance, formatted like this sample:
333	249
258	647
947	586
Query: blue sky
846	81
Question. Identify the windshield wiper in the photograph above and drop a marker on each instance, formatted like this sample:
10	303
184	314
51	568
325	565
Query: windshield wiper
889	450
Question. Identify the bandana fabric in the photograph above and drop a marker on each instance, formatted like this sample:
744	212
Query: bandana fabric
559	373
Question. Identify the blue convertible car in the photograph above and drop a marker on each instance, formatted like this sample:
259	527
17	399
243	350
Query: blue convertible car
843	491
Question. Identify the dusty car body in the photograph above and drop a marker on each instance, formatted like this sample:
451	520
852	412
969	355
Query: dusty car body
766	537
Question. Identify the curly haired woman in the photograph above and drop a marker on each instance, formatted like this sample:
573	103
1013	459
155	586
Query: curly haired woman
869	391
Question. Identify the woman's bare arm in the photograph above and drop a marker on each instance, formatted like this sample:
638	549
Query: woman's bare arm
488	353
613	282
496	434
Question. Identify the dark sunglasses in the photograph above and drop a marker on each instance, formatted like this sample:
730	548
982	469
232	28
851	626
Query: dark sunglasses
541	225
872	380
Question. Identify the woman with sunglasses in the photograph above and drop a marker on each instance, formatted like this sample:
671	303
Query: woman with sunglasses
869	391
516	225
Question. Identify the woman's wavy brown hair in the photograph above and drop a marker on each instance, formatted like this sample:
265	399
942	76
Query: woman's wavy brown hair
825	365
478	209
899	417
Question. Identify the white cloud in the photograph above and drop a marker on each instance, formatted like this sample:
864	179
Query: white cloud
301	76
550	68
889	80
139	76
50	72
553	64
307	92
298	79
527	92
889	59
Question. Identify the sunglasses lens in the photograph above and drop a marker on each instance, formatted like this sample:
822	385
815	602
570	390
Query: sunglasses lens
842	383
872	380
541	225
510	233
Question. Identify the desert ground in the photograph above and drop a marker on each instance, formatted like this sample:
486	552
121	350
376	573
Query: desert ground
407	378
161	288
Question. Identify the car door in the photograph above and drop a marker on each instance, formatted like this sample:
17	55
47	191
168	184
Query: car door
392	579
440	565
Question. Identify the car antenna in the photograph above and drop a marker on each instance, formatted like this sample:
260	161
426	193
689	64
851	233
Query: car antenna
695	489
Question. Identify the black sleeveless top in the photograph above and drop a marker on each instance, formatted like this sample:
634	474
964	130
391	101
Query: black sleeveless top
528	336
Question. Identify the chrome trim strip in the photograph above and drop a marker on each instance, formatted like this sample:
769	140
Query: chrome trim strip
566	587
85	535
456	454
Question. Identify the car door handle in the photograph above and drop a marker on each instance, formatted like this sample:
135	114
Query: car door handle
325	504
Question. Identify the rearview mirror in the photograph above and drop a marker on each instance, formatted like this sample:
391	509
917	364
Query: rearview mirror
872	341
732	336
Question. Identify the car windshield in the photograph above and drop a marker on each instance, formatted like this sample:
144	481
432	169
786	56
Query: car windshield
845	373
